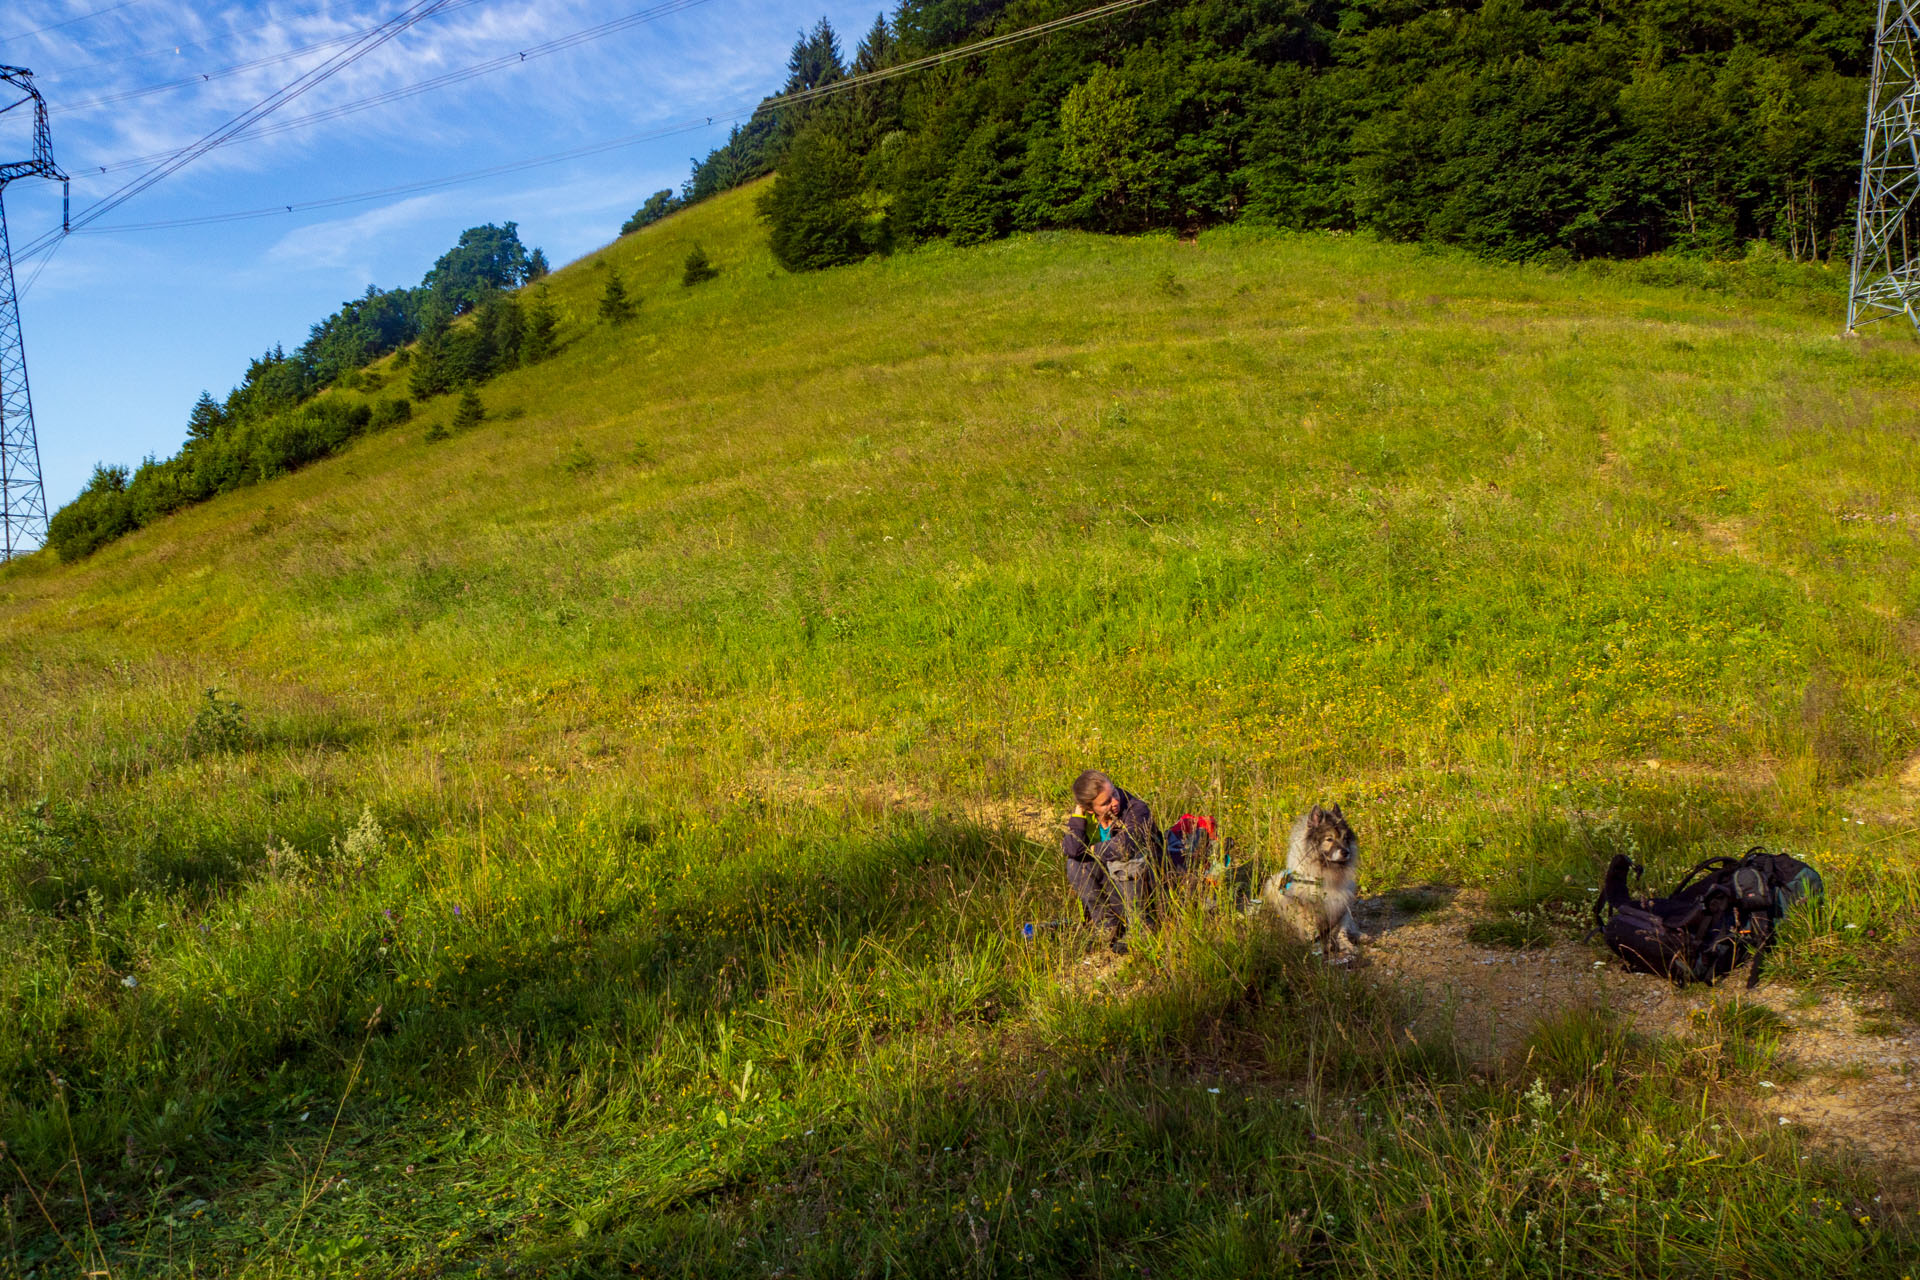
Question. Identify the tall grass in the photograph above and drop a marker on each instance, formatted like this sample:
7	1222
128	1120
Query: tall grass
619	817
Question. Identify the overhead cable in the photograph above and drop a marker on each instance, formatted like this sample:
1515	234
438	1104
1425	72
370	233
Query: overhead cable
371	40
843	85
987	45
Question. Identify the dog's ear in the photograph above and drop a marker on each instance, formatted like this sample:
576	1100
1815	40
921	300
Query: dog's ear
1316	816
1335	811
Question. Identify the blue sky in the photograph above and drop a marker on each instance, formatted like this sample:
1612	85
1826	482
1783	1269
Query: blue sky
125	328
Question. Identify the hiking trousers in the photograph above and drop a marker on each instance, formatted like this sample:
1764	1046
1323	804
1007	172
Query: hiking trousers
1110	893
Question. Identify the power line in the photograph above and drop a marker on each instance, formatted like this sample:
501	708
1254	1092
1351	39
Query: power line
55	26
253	64
988	45
518	58
372	40
844	85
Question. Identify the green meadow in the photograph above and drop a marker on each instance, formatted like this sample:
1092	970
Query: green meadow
598	842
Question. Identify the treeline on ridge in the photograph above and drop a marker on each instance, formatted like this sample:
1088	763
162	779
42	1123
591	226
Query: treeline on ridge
276	420
1520	129
1515	128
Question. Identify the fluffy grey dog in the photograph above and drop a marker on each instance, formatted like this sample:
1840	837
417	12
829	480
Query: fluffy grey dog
1314	895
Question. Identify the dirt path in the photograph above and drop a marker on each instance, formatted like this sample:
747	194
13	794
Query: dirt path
1850	1075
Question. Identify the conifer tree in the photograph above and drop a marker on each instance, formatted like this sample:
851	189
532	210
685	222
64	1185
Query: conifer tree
469	412
876	47
699	268
813	208
205	419
499	333
537	267
815	59
428	374
615	306
537	343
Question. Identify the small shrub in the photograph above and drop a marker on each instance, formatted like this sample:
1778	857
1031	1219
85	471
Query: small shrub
698	269
219	725
390	413
360	852
615	306
438	431
469	413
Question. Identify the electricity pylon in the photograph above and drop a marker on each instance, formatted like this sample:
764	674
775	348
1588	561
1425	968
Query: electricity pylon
23	500
1886	240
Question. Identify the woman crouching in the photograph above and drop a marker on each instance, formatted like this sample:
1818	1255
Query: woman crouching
1114	850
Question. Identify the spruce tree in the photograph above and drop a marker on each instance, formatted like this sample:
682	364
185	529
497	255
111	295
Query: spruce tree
537	343
815	59
495	340
428	375
699	268
813	208
537	267
468	413
205	419
615	306
876	48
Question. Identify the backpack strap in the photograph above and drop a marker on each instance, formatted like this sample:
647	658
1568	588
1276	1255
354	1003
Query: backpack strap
1613	890
1706	866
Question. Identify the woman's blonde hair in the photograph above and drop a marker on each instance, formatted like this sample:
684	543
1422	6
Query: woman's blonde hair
1088	786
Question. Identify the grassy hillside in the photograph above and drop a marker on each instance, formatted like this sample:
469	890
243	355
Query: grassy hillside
608	839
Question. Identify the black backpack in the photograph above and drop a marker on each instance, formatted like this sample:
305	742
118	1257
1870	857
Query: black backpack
1724	911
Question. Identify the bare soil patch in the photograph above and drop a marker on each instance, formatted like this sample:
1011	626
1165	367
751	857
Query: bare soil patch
1850	1072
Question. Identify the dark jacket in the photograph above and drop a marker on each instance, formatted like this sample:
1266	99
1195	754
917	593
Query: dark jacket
1135	835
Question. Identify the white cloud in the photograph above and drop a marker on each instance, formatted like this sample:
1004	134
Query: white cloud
346	242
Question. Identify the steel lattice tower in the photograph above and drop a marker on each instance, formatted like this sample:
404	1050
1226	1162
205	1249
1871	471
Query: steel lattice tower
1886	266
23	500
